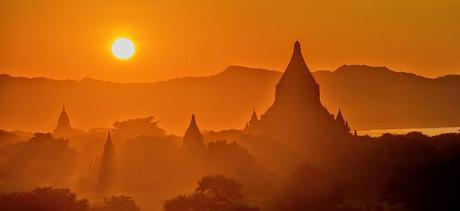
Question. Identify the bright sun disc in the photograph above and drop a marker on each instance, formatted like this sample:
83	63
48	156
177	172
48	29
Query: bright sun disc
123	48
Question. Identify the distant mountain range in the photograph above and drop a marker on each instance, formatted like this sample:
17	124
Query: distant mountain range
370	98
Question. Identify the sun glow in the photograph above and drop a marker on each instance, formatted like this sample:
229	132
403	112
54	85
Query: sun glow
123	48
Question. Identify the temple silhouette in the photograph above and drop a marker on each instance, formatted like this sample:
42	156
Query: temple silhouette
64	128
297	114
341	123
192	140
253	121
106	168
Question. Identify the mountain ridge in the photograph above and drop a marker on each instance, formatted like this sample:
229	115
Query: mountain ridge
231	69
406	99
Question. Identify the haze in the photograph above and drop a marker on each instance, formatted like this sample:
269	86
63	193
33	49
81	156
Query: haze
229	106
72	39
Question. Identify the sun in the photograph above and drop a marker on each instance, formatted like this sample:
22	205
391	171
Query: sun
123	48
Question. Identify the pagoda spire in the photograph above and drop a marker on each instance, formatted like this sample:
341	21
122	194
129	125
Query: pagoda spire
106	168
297	85
254	119
297	54
339	118
109	138
297	62
193	123
254	116
342	123
63	124
347	127
193	139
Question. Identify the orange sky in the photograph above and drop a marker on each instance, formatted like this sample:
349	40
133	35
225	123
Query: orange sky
71	39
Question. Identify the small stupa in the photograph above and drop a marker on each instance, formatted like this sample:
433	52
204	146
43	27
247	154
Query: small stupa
63	128
107	166
193	139
341	123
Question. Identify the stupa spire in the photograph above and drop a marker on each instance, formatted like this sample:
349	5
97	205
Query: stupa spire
297	62
193	139
63	124
339	118
107	163
254	116
193	122
109	139
297	53
297	85
253	121
342	123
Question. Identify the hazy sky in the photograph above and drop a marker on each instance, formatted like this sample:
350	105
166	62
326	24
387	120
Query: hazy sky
72	39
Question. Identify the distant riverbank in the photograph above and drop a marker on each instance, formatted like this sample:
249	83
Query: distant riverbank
426	131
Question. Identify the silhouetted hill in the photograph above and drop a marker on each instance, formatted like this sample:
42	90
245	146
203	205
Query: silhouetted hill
376	97
370	98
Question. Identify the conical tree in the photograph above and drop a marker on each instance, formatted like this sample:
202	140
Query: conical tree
107	166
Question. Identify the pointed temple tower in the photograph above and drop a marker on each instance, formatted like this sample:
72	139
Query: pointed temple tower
297	114
252	126
339	118
254	119
107	166
341	123
193	139
63	127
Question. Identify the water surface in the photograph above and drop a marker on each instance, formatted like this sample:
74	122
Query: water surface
426	131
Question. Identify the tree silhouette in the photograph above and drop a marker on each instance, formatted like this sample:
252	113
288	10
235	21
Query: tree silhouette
219	187
60	199
434	186
117	203
310	189
42	199
214	193
136	127
229	158
41	160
